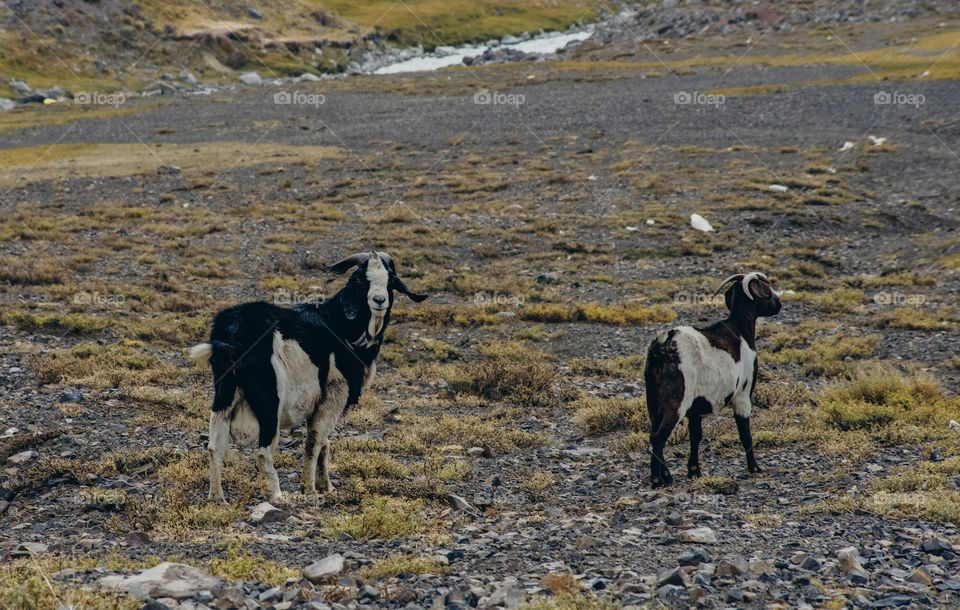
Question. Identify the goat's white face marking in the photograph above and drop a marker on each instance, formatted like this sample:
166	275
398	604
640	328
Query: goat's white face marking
378	298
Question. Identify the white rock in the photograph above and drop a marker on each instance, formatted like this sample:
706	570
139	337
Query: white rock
21	458
7	104
700	223
251	78
954	425
876	141
650	221
779	188
327	567
846	146
174	580
700	535
307	77
632	229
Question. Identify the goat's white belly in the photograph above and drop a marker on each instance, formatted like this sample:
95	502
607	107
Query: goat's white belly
710	372
298	382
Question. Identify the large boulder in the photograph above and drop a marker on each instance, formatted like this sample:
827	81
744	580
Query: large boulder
175	580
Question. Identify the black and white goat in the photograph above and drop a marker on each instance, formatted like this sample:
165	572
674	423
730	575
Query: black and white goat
276	368
694	372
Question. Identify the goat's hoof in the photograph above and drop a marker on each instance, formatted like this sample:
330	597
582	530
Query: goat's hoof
694	473
276	498
756	471
212	497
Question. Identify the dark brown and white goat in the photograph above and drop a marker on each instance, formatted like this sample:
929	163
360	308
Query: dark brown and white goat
695	372
276	368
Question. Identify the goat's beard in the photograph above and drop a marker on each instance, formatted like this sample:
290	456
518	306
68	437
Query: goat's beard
375	326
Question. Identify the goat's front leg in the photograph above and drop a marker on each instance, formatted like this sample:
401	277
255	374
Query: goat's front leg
746	439
695	423
265	457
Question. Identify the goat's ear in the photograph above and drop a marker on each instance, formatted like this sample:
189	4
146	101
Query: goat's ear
761	289
399	286
353	298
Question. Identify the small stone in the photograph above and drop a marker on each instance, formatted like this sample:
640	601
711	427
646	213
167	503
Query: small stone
676	577
267	513
936	546
893	601
694	556
810	564
921	577
71	395
699	535
271	594
137	538
21	458
324	569
458	503
475	451
251	78
762	567
508	595
368	592
254	13
735	566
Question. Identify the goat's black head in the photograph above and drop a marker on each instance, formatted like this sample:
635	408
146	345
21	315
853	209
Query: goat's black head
372	284
751	290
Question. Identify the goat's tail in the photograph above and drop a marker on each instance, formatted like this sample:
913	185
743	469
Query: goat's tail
201	352
222	359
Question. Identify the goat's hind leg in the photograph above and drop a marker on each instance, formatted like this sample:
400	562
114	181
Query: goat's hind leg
217	447
323	464
312	448
659	471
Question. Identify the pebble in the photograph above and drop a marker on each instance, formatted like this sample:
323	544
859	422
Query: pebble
324	569
699	535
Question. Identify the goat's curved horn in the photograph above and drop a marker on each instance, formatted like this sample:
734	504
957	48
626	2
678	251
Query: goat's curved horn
733	278
349	262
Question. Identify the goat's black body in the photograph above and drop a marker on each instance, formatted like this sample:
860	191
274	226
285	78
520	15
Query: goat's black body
242	342
279	367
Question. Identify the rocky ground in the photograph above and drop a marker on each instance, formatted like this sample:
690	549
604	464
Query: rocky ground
501	456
